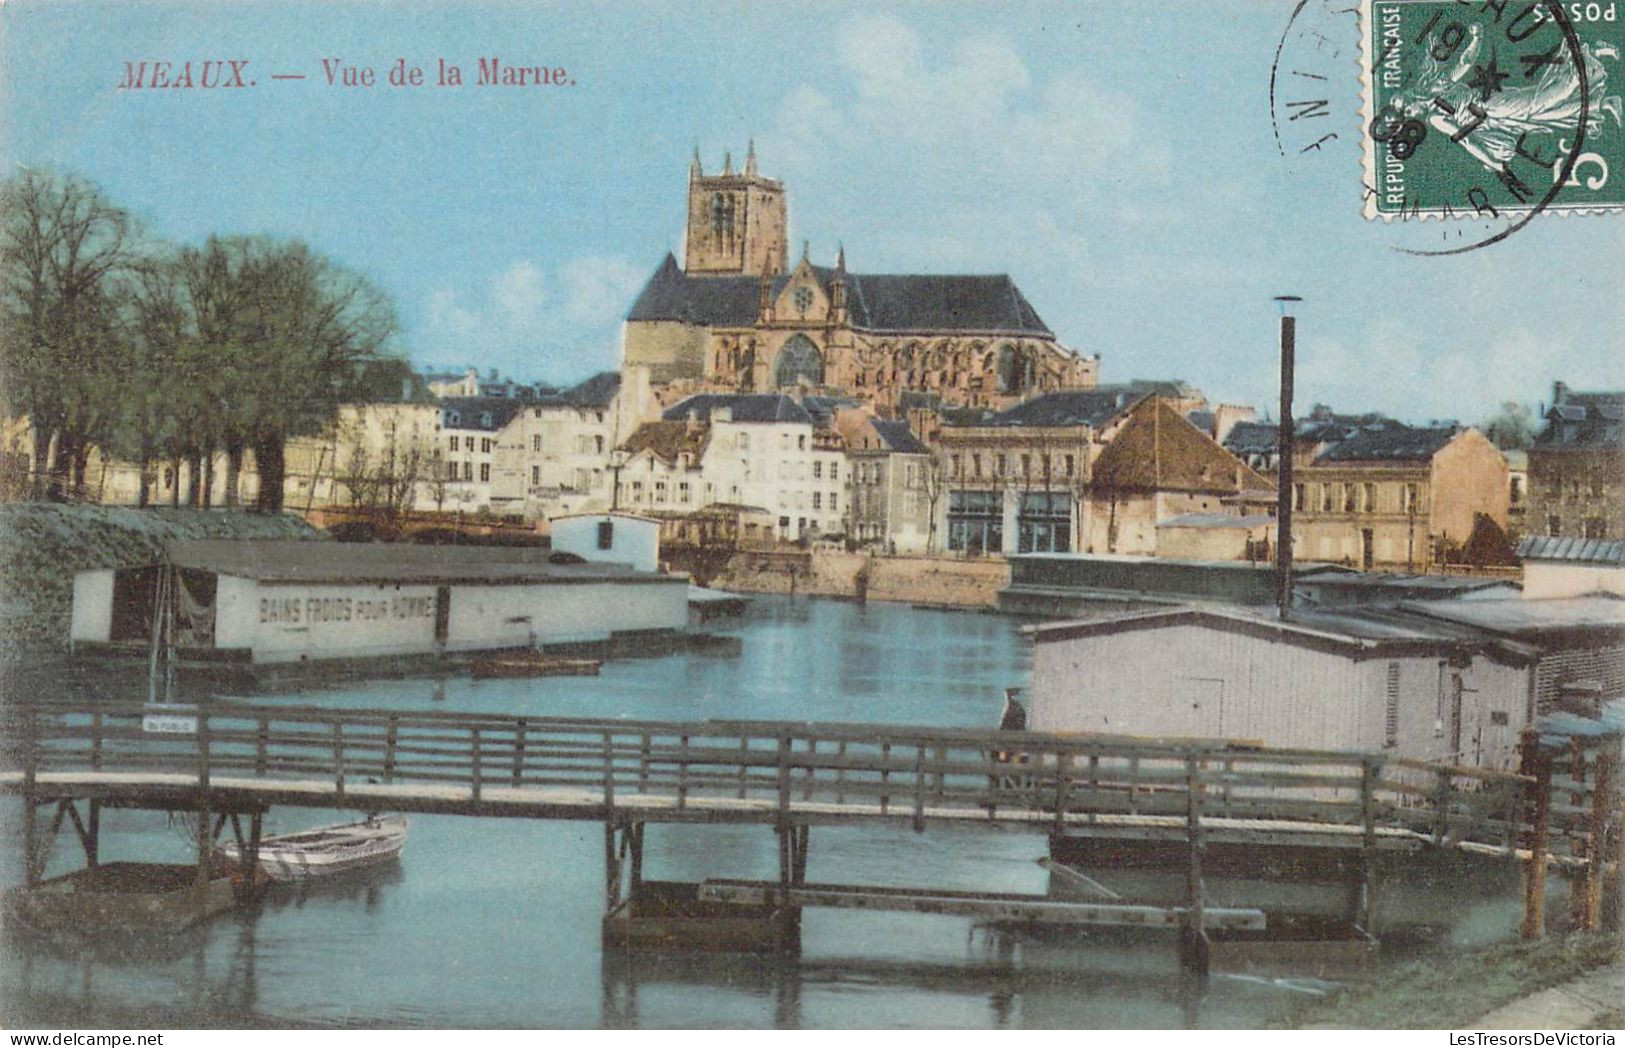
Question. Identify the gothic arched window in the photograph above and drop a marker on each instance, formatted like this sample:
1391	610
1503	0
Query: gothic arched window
722	214
798	361
1012	369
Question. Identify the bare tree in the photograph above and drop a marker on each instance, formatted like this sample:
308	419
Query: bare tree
63	246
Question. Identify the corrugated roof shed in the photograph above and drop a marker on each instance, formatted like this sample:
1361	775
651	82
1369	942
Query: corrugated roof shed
1529	618
1573	551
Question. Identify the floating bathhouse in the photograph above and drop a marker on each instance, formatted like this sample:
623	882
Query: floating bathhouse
280	602
1451	680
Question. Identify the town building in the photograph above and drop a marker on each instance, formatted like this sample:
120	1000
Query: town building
1016	478
1577	467
554	455
468	439
1156	467
735	316
1093	470
1394	495
765	450
894	483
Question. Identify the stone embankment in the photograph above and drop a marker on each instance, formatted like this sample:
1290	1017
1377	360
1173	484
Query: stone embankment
942	581
42	545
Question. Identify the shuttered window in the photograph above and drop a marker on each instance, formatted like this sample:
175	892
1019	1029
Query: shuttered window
1390	726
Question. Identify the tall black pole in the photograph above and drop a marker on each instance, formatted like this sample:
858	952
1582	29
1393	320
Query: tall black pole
1283	471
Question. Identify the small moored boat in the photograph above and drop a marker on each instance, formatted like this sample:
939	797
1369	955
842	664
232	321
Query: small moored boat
328	849
534	664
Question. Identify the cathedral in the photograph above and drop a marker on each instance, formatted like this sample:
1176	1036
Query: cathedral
736	316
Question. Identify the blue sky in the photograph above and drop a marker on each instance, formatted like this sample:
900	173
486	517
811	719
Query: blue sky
1116	159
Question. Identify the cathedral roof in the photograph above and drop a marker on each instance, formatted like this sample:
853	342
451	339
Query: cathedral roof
876	302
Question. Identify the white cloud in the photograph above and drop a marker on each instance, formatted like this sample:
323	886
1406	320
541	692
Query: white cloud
1465	382
535	325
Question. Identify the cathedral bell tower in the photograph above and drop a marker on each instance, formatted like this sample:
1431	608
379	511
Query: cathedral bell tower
736	221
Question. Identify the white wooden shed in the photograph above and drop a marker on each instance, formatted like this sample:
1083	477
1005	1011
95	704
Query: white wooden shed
609	538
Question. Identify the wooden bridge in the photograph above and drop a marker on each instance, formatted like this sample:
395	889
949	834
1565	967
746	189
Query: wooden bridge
228	763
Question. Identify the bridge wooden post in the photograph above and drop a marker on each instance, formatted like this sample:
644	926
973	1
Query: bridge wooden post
30	840
1536	763
1193	946
1597	850
1579	884
612	867
1365	906
93	834
251	854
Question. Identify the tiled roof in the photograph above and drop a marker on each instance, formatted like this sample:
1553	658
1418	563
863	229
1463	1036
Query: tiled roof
1252	438
1076	407
876	302
746	407
1394	443
595	392
1584	420
1157	450
482	413
1578	551
899	438
669	439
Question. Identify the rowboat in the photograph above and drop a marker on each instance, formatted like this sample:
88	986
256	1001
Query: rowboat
327	850
534	664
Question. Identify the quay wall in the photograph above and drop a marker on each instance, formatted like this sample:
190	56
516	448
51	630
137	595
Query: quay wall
944	581
42	545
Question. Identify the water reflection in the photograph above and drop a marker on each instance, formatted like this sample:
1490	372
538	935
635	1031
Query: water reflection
496	922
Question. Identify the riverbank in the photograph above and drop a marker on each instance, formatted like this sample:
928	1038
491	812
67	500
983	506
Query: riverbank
1449	989
948	582
43	544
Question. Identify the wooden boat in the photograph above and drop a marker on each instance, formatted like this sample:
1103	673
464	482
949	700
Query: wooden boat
121	897
327	850
534	664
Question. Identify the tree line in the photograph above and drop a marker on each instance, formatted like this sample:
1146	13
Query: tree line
173	354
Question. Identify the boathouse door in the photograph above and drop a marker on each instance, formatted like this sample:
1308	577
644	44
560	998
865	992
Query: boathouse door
442	615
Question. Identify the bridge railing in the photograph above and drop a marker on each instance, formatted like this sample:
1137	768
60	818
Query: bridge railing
747	769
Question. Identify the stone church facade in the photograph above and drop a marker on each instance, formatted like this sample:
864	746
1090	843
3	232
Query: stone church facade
736	316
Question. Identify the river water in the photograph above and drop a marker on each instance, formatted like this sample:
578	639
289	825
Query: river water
495	922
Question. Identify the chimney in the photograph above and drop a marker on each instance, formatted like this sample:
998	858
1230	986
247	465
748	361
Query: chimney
1560	393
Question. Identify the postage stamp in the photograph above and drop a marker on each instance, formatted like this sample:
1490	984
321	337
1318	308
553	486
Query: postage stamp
1492	108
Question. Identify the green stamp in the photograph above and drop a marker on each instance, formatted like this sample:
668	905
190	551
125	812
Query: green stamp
1493	109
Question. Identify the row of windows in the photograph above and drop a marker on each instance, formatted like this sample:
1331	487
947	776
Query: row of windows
455	443
1025	462
1352	497
1594	486
1590	527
